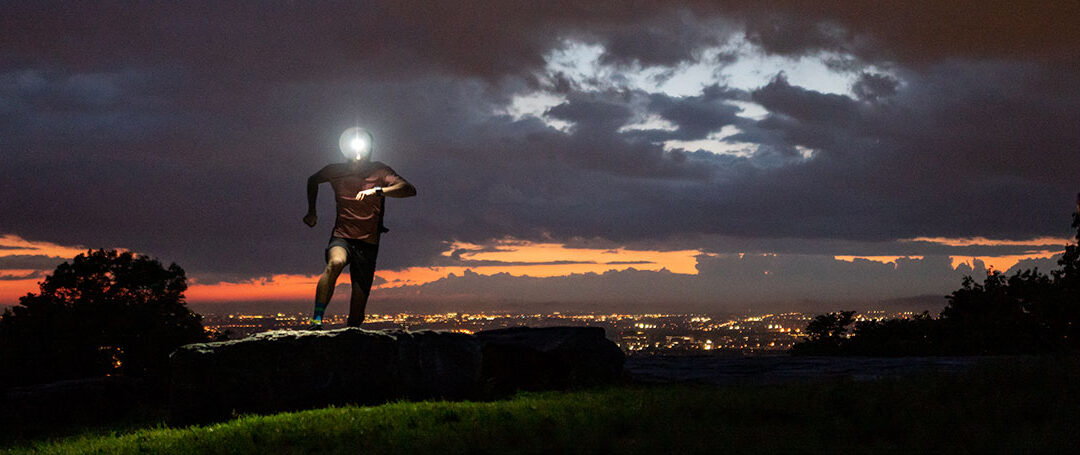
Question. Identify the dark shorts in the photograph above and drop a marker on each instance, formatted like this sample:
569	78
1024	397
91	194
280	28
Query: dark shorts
360	256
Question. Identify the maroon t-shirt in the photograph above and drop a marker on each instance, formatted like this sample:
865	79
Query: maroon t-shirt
359	219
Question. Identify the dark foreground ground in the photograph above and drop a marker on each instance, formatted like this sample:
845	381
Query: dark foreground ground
751	405
728	370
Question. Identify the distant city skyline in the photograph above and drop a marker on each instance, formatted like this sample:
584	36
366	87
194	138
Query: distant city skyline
634	333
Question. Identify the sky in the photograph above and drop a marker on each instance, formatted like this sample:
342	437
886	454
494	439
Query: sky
568	156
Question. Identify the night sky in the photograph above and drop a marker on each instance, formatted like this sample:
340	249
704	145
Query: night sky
662	156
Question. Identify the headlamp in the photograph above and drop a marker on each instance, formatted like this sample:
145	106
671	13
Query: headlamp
355	143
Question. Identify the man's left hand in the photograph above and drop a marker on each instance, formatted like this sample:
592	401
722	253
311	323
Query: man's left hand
367	192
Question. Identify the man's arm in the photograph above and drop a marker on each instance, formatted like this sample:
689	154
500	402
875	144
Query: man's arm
313	194
400	189
394	186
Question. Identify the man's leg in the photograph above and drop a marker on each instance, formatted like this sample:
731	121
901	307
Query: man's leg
362	272
357	306
336	258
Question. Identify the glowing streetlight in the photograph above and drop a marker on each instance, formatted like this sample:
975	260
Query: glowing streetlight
355	143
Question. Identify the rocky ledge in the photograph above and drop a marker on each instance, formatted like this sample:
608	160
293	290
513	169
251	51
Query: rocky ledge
286	370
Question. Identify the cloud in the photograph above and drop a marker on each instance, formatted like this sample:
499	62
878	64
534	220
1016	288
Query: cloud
697	116
26	261
24	276
914	33
274	41
871	87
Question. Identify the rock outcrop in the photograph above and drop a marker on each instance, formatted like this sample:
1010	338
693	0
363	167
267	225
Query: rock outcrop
291	370
548	358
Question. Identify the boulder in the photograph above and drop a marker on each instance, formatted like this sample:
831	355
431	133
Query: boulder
286	370
291	370
548	358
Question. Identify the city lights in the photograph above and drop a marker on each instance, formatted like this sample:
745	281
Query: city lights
638	334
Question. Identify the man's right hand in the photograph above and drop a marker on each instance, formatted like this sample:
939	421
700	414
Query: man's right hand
310	219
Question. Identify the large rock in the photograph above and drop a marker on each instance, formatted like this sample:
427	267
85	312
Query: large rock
526	358
291	370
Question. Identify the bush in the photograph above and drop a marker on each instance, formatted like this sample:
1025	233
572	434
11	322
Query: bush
1026	313
103	313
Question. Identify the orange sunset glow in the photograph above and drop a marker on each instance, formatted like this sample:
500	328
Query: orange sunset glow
276	287
517	258
523	258
15	283
1000	263
882	259
13	245
983	241
521	254
287	287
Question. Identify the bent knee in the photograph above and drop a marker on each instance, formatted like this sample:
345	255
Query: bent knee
335	265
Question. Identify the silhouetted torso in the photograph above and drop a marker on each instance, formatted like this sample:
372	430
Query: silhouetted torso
359	219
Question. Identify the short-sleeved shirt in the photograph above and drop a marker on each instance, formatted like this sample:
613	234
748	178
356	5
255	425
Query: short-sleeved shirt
359	219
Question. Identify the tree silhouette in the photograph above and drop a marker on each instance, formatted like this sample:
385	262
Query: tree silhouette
916	336
1027	312
830	326
1067	282
826	334
1023	313
1003	315
103	313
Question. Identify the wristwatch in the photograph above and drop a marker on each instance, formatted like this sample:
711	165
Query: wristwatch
378	191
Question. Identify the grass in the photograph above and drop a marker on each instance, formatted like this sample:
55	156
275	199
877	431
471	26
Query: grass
1005	405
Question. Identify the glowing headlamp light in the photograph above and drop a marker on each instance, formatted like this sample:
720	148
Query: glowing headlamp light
355	142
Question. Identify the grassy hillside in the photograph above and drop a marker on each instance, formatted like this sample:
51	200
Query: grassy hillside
1007	405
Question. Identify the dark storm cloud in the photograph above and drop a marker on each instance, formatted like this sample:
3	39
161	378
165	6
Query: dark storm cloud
916	33
25	276
51	115
665	40
696	116
444	261
598	117
284	41
279	39
30	261
871	87
186	130
962	145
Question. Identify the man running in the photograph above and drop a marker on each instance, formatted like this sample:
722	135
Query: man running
359	189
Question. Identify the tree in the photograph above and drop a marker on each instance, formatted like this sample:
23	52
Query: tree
1003	315
916	336
1027	312
826	334
103	313
1067	281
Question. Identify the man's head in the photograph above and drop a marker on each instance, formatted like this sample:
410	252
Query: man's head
356	144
